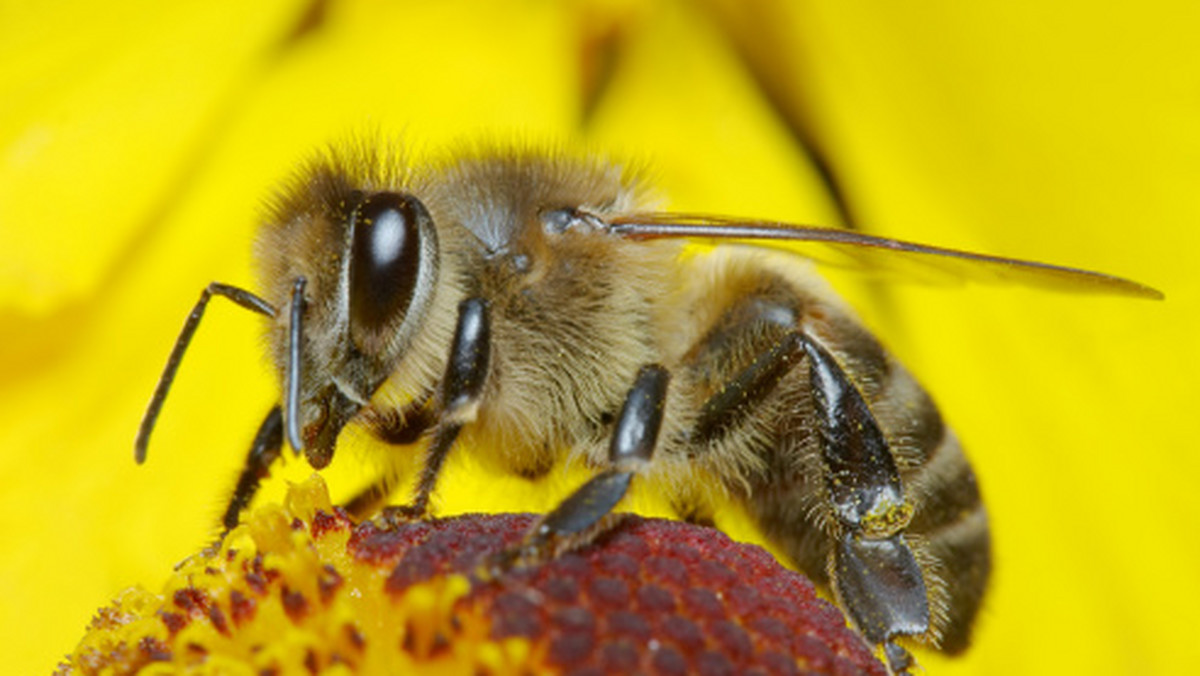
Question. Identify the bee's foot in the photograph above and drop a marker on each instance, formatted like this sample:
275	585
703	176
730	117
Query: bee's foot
397	515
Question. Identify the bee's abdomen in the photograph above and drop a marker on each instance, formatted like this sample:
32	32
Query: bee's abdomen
950	521
948	530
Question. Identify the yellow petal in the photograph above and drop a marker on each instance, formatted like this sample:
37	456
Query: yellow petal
108	108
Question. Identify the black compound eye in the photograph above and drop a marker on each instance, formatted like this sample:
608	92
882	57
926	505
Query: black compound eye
385	257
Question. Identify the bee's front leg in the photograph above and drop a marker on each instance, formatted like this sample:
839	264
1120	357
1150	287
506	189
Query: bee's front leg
266	449
588	511
462	386
403	427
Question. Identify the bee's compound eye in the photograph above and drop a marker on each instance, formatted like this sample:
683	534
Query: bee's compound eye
385	257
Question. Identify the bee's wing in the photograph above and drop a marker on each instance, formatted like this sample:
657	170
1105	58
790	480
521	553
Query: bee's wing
838	247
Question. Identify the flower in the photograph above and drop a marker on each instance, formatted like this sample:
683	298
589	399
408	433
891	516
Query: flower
300	587
139	140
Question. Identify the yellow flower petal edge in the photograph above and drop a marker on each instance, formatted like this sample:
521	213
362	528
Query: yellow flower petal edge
300	588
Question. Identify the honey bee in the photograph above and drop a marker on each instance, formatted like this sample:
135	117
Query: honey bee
526	305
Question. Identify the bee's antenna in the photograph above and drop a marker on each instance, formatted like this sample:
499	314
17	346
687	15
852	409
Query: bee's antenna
238	295
292	395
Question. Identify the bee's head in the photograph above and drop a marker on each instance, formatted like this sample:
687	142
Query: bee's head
352	272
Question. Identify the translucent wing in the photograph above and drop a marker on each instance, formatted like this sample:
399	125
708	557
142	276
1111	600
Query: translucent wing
844	247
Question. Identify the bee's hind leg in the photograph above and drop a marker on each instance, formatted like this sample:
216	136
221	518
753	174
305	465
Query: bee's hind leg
875	574
588	511
877	578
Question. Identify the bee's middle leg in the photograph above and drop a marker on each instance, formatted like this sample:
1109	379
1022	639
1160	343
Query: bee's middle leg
588	511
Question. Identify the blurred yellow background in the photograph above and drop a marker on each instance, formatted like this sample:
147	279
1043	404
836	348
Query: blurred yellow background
137	141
